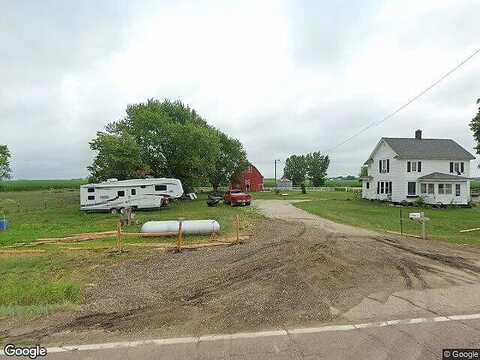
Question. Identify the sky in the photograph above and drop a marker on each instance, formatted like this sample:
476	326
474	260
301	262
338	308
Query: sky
284	77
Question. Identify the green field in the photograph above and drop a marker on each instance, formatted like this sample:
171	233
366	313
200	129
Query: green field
348	208
29	185
39	283
270	183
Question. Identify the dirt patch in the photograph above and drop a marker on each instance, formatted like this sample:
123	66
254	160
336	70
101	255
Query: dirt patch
291	274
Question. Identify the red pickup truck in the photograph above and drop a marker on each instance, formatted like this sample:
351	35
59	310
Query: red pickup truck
237	197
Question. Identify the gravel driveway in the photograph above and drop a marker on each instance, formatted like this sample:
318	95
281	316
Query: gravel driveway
298	270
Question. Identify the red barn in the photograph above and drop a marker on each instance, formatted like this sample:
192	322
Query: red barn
250	180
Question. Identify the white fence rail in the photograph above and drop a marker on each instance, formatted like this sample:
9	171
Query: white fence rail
295	188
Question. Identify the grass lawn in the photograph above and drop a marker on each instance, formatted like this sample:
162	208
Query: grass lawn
347	208
28	185
40	283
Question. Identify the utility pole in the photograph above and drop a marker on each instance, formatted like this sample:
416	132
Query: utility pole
276	172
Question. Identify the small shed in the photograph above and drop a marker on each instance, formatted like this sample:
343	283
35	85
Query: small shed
285	184
250	180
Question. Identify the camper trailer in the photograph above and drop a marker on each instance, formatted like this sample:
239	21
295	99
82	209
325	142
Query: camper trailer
113	195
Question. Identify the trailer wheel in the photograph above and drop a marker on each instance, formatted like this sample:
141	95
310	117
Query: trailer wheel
122	211
247	203
113	211
226	202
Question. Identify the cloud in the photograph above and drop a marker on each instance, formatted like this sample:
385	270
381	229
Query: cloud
283	77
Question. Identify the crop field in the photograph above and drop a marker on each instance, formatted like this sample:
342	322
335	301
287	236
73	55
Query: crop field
32	284
29	185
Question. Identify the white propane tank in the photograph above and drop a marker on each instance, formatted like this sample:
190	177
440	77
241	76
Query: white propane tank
189	227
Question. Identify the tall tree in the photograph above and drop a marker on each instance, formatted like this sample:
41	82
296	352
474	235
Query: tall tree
475	127
296	168
317	165
231	161
5	171
171	140
118	157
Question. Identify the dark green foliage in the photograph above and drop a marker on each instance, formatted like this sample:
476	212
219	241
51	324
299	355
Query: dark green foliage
165	139
5	171
304	189
475	127
296	169
312	167
317	165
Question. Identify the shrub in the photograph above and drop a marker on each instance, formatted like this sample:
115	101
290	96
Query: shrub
304	189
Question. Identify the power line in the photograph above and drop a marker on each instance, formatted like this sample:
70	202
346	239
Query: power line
400	108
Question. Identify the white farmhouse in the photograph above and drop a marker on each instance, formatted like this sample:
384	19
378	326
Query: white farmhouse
404	169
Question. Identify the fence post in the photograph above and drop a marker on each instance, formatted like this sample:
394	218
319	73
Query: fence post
238	228
180	235
119	236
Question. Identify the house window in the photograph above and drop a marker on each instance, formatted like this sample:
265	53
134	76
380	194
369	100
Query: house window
91	197
91	190
457	190
457	167
121	193
448	189
412	189
423	188
160	187
384	166
382	187
414	166
431	189
368	185
441	189
133	191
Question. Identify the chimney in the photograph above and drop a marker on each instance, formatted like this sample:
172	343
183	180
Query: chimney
418	134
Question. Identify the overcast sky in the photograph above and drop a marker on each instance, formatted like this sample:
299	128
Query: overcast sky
284	77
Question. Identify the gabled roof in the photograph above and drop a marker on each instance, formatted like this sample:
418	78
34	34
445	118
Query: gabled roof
428	149
441	176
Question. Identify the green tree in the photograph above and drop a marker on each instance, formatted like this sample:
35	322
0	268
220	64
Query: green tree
317	165
171	140
475	127
5	171
296	168
118	157
231	161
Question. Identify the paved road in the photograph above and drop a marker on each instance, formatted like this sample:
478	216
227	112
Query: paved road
422	340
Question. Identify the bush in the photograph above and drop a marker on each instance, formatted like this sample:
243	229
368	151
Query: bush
420	202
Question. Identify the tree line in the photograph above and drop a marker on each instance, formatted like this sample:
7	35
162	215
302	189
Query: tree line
312	166
166	139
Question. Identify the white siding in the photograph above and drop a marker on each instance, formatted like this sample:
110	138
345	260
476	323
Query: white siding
399	177
383	152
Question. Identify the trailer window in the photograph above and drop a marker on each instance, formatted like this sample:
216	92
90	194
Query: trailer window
91	189
121	193
91	197
133	191
143	186
160	187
